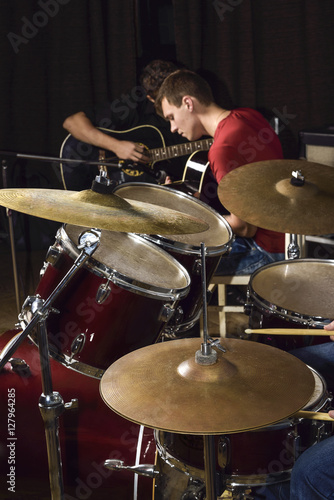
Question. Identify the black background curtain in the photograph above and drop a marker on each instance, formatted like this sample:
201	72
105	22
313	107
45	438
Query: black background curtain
274	56
58	56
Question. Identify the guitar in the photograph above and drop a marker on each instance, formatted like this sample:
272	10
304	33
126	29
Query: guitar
198	180
79	176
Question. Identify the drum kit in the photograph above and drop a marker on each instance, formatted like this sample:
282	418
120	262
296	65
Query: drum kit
125	277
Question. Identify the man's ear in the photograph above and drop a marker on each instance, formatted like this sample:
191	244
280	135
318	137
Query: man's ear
188	102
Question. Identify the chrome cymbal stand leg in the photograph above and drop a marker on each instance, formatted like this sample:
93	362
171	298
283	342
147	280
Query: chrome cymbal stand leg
51	406
51	403
210	468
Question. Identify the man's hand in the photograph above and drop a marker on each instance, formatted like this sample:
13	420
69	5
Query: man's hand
330	328
127	150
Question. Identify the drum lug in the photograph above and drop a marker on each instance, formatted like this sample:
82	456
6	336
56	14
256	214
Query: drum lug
248	309
20	367
166	313
141	469
78	344
103	292
296	446
224	448
197	267
52	255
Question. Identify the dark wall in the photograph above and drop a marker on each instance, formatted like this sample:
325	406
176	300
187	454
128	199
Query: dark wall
58	56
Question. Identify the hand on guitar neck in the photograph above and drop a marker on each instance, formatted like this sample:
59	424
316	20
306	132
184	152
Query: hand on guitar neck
145	138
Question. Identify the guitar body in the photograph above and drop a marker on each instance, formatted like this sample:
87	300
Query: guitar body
79	176
198	178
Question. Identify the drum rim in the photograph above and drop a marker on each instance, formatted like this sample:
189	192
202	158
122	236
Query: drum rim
178	246
284	313
126	282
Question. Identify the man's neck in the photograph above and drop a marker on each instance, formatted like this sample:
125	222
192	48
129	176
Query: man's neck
211	117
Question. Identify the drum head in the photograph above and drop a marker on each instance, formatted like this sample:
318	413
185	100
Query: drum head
302	286
132	260
215	238
316	400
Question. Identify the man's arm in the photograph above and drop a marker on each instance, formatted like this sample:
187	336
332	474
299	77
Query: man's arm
82	129
240	227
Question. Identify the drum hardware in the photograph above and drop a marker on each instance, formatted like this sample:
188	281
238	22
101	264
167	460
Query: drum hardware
140	469
51	404
103	291
20	367
77	344
12	240
293	250
275	201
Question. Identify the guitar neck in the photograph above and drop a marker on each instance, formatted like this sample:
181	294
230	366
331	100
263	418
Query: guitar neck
179	150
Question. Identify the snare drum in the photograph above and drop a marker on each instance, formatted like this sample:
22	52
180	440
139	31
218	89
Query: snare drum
119	301
291	294
186	248
254	458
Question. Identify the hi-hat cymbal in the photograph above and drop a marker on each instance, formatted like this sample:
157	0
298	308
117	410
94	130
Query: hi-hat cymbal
262	194
250	386
103	211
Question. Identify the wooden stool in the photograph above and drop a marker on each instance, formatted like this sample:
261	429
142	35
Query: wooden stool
220	310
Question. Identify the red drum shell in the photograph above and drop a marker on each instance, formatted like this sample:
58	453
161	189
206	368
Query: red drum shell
186	248
142	278
89	435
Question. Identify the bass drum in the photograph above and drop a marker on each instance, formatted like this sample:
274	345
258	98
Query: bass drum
89	434
246	459
291	294
186	248
119	301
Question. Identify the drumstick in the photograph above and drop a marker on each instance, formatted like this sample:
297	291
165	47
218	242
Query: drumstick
289	331
313	415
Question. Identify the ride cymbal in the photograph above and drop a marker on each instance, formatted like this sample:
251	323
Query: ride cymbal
250	386
103	211
289	196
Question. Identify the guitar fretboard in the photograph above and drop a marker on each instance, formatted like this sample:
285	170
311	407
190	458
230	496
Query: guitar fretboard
180	149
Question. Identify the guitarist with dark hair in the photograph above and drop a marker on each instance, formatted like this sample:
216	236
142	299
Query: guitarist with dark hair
128	127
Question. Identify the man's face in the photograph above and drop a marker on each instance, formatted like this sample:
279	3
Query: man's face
182	120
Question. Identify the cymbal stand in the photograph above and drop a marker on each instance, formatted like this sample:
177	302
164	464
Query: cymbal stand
9	214
51	404
206	356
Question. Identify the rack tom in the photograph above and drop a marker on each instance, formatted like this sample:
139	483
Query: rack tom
186	248
119	301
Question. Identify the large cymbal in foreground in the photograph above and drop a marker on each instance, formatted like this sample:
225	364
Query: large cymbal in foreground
103	211
250	386
261	194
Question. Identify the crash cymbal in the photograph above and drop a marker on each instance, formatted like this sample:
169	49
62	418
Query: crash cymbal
267	194
250	386
103	211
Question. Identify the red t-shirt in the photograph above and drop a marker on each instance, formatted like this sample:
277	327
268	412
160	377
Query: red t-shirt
246	137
